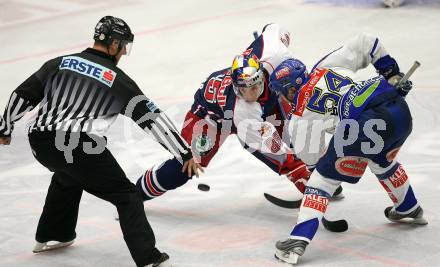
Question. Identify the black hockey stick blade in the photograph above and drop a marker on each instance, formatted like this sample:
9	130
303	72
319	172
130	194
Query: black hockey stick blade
295	204
337	226
287	204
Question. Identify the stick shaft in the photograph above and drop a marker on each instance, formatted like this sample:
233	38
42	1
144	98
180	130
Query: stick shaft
410	72
255	34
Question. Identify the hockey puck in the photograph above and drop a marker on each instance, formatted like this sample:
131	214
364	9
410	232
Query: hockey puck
203	187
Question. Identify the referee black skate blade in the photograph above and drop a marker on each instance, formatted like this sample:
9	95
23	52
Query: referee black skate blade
203	187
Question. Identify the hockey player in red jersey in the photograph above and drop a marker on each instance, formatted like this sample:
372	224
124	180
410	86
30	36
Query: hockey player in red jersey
237	100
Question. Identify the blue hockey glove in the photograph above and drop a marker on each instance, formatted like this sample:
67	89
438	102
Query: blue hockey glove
387	67
402	87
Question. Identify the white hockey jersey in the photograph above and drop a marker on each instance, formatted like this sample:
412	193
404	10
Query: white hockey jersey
322	102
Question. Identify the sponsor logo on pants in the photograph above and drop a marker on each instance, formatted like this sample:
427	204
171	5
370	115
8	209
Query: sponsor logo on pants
351	166
399	177
316	202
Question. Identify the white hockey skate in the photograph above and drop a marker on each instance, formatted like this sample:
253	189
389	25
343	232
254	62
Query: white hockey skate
50	245
393	3
163	261
414	217
290	250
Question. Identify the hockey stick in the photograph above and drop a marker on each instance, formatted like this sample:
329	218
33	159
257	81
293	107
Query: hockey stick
294	204
337	226
396	81
287	204
405	77
332	226
255	34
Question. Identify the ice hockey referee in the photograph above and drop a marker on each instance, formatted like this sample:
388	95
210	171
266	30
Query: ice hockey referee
77	97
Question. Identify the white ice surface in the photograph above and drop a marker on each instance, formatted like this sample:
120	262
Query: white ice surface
178	43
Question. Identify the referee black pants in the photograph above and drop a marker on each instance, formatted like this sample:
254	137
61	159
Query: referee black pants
99	175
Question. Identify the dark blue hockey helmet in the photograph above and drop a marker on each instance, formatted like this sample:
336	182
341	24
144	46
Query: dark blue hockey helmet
288	78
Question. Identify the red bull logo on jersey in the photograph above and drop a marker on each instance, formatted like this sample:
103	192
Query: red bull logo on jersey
89	68
274	143
265	130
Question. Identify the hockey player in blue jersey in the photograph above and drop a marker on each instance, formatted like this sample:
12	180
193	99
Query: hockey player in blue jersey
237	101
370	121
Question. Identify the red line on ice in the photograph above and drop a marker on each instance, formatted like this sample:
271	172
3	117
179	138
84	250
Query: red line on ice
143	32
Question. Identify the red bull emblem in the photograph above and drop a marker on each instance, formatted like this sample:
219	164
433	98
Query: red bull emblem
244	76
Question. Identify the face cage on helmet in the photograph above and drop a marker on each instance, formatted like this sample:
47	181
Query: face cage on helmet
257	79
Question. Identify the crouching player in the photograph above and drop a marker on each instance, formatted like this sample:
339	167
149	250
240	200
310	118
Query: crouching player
369	120
236	100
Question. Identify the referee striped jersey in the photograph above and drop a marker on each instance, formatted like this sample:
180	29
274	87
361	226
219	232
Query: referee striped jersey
85	92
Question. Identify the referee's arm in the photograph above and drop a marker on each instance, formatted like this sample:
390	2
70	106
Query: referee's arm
23	99
151	119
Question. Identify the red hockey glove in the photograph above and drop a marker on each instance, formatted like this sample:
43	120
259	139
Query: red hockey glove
296	171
